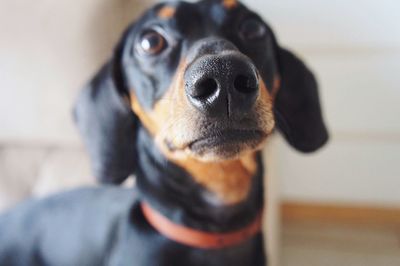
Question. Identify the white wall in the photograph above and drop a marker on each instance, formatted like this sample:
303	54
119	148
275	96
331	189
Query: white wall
48	51
354	48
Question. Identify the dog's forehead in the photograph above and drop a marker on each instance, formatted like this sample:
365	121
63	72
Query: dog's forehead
185	16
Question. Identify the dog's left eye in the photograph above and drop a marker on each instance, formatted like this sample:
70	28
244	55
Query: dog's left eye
252	29
152	42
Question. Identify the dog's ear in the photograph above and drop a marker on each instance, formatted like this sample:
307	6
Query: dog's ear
106	122
297	107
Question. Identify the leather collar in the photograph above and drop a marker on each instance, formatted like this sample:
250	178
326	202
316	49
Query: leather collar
196	238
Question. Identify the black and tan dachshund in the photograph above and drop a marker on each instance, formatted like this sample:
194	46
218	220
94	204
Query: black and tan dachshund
187	101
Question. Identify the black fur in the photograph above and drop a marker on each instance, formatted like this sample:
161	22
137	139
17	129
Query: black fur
105	226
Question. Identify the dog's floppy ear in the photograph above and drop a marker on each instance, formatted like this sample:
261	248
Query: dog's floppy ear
297	107
106	122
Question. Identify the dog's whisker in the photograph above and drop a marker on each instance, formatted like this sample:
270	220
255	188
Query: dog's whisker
165	98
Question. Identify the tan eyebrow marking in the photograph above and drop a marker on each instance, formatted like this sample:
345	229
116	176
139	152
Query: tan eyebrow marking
166	12
230	4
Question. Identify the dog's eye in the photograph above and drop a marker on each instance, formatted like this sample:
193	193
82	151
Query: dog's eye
252	29
152	42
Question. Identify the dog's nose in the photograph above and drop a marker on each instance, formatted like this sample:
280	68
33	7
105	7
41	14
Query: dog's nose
222	84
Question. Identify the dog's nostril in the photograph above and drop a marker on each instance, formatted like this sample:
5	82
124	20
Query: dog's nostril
205	88
244	84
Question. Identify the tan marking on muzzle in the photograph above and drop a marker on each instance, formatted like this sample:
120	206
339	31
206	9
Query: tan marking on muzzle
264	107
154	119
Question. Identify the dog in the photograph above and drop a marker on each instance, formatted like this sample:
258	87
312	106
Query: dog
188	99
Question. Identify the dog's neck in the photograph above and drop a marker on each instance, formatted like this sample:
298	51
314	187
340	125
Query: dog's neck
227	182
196	202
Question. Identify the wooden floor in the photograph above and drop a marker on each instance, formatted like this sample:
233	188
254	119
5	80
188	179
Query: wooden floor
323	244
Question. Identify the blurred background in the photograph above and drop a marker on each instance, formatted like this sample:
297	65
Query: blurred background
340	206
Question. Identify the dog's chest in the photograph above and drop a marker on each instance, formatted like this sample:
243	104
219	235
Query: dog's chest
188	257
148	248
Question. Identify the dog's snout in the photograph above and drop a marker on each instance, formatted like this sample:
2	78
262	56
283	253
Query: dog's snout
222	84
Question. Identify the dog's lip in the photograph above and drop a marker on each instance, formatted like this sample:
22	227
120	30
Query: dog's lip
228	137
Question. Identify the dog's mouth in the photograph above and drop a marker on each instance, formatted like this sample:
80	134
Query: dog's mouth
222	145
226	138
227	144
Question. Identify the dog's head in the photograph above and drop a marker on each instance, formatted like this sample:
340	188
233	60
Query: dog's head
207	80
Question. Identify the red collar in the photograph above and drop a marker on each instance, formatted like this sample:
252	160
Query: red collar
196	238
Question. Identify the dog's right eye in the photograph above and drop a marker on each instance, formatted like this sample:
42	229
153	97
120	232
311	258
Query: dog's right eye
152	43
252	29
